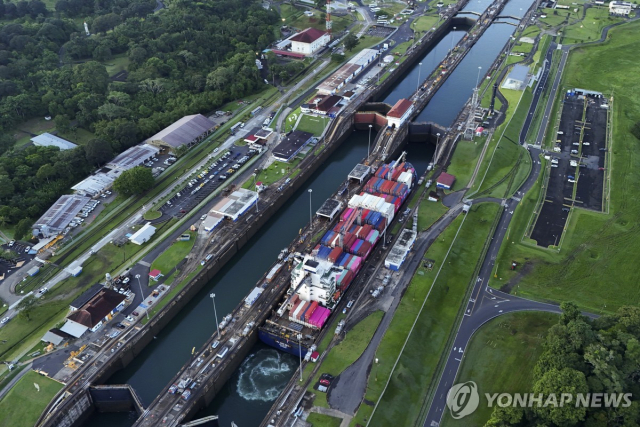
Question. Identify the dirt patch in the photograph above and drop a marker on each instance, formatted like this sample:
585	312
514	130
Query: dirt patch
524	270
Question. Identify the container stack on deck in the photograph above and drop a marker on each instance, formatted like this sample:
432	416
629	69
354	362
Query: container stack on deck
351	240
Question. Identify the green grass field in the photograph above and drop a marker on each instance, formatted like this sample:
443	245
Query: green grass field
22	406
312	124
590	28
429	212
595	267
403	400
501	358
151	215
174	254
424	23
319	420
116	64
347	352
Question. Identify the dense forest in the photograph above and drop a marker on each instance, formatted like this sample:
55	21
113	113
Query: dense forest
584	356
190	57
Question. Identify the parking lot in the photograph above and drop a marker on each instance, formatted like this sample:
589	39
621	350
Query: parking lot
213	175
577	166
380	31
8	267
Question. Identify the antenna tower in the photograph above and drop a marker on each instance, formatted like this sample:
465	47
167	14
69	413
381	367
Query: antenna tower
329	23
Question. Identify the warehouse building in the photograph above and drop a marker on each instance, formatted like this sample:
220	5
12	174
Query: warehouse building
143	235
517	78
291	145
188	131
58	217
309	41
234	205
49	140
620	8
94	184
132	157
211	221
347	72
400	250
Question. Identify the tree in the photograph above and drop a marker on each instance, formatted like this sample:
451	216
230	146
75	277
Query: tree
134	181
63	124
23	228
45	172
98	151
566	380
350	42
26	306
635	130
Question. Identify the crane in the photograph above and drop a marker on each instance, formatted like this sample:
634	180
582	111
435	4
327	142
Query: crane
397	162
357	213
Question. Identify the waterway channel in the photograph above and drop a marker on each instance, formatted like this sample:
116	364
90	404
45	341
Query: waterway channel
248	395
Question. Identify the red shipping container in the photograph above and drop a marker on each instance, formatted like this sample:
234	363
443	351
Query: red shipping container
396	174
382	225
333	256
301	311
365	249
312	308
346	281
294	300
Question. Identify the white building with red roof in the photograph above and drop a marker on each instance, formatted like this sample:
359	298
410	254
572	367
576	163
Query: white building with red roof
309	41
399	113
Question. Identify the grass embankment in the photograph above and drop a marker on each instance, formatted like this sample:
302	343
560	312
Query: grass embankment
174	253
429	212
506	166
596	266
347	352
151	215
513	343
425	23
319	420
24	403
464	160
402	401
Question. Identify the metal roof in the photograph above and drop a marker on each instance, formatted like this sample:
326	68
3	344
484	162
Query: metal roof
308	36
184	131
62	212
291	145
49	140
133	157
363	57
401	107
329	208
345	72
143	235
360	172
86	296
94	184
235	204
74	329
519	73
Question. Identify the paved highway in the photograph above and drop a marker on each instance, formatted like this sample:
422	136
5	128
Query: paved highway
487	303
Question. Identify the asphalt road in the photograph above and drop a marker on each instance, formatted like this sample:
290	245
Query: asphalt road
539	90
487	303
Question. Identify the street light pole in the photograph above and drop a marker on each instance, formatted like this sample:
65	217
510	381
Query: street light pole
142	295
215	313
300	353
369	146
454	29
419	70
310	208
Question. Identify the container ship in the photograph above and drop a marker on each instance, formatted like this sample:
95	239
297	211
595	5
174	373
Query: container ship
321	277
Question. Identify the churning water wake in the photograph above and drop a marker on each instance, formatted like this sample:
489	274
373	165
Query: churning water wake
264	374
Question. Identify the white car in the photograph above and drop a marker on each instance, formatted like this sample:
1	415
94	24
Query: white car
203	217
208	257
5	320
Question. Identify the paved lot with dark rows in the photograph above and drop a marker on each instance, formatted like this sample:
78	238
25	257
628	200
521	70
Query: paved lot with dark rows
582	143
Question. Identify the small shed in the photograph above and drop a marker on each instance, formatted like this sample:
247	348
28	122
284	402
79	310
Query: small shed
445	181
479	131
155	274
33	271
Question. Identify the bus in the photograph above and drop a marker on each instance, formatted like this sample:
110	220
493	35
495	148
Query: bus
382	21
255	111
235	127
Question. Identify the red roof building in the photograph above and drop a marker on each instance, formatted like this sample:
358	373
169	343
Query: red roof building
155	274
309	41
250	138
308	36
399	113
445	181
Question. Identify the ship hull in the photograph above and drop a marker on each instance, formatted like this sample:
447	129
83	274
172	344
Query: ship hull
282	344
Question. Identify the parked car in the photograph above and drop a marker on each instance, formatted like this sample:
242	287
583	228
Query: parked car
135	313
